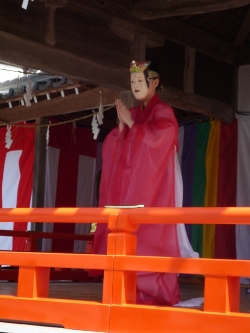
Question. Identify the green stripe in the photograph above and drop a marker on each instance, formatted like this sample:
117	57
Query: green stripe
199	182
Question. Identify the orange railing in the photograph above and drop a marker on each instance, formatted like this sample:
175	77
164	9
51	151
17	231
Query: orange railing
118	312
31	244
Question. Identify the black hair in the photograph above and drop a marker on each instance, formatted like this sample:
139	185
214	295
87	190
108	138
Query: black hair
155	68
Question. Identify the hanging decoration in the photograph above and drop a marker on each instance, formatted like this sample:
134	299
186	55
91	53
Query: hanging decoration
100	111
97	112
28	95
25	4
8	138
47	136
97	118
95	127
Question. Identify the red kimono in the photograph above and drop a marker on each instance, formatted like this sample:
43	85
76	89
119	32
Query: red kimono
139	168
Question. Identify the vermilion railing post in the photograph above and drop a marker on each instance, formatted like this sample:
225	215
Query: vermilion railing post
108	275
222	294
124	284
121	241
33	282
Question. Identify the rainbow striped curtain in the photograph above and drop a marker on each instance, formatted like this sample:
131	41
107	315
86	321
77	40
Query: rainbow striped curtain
208	159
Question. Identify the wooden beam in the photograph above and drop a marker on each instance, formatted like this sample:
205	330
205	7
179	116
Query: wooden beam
58	106
198	104
30	54
127	31
243	32
179	32
153	9
90	100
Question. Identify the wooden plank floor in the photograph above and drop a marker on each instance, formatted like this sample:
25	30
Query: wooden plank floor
189	287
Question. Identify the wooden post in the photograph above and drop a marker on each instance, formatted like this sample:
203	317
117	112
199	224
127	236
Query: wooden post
50	35
39	170
189	70
138	47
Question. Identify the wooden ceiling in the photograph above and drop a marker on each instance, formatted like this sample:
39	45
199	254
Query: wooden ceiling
92	42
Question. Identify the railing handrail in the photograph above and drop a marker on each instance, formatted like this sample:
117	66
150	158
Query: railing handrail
199	266
192	215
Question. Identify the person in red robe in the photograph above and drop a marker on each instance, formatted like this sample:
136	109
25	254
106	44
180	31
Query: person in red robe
139	158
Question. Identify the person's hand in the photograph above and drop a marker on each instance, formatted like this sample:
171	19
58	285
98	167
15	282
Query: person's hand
124	115
121	124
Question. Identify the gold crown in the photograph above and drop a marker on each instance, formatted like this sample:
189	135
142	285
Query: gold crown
139	67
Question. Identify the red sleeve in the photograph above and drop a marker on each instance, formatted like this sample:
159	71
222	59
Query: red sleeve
153	131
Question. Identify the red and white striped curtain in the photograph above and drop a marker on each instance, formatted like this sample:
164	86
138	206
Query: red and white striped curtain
70	178
70	181
16	177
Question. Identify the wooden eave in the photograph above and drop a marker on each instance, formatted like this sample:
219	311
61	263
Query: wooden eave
100	53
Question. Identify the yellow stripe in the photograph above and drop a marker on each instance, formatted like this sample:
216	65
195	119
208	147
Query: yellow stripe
212	158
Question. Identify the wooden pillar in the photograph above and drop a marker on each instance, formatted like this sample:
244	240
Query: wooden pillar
243	90
235	87
50	34
189	70
39	169
138	47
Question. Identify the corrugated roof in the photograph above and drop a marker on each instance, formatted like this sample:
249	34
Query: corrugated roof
41	81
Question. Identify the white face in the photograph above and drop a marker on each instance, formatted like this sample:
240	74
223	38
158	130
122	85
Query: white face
142	92
139	86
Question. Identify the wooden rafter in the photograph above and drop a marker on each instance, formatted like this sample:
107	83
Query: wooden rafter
153	9
52	60
179	32
127	31
243	32
197	104
89	99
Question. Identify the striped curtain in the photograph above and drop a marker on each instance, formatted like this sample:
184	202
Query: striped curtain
16	177
70	181
208	156
214	159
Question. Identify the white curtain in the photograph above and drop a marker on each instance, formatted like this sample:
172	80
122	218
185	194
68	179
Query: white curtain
11	179
243	187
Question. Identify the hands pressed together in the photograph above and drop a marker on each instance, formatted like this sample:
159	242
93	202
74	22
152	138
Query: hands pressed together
124	115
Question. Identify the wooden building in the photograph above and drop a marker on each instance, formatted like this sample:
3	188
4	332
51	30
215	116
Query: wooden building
85	47
199	46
